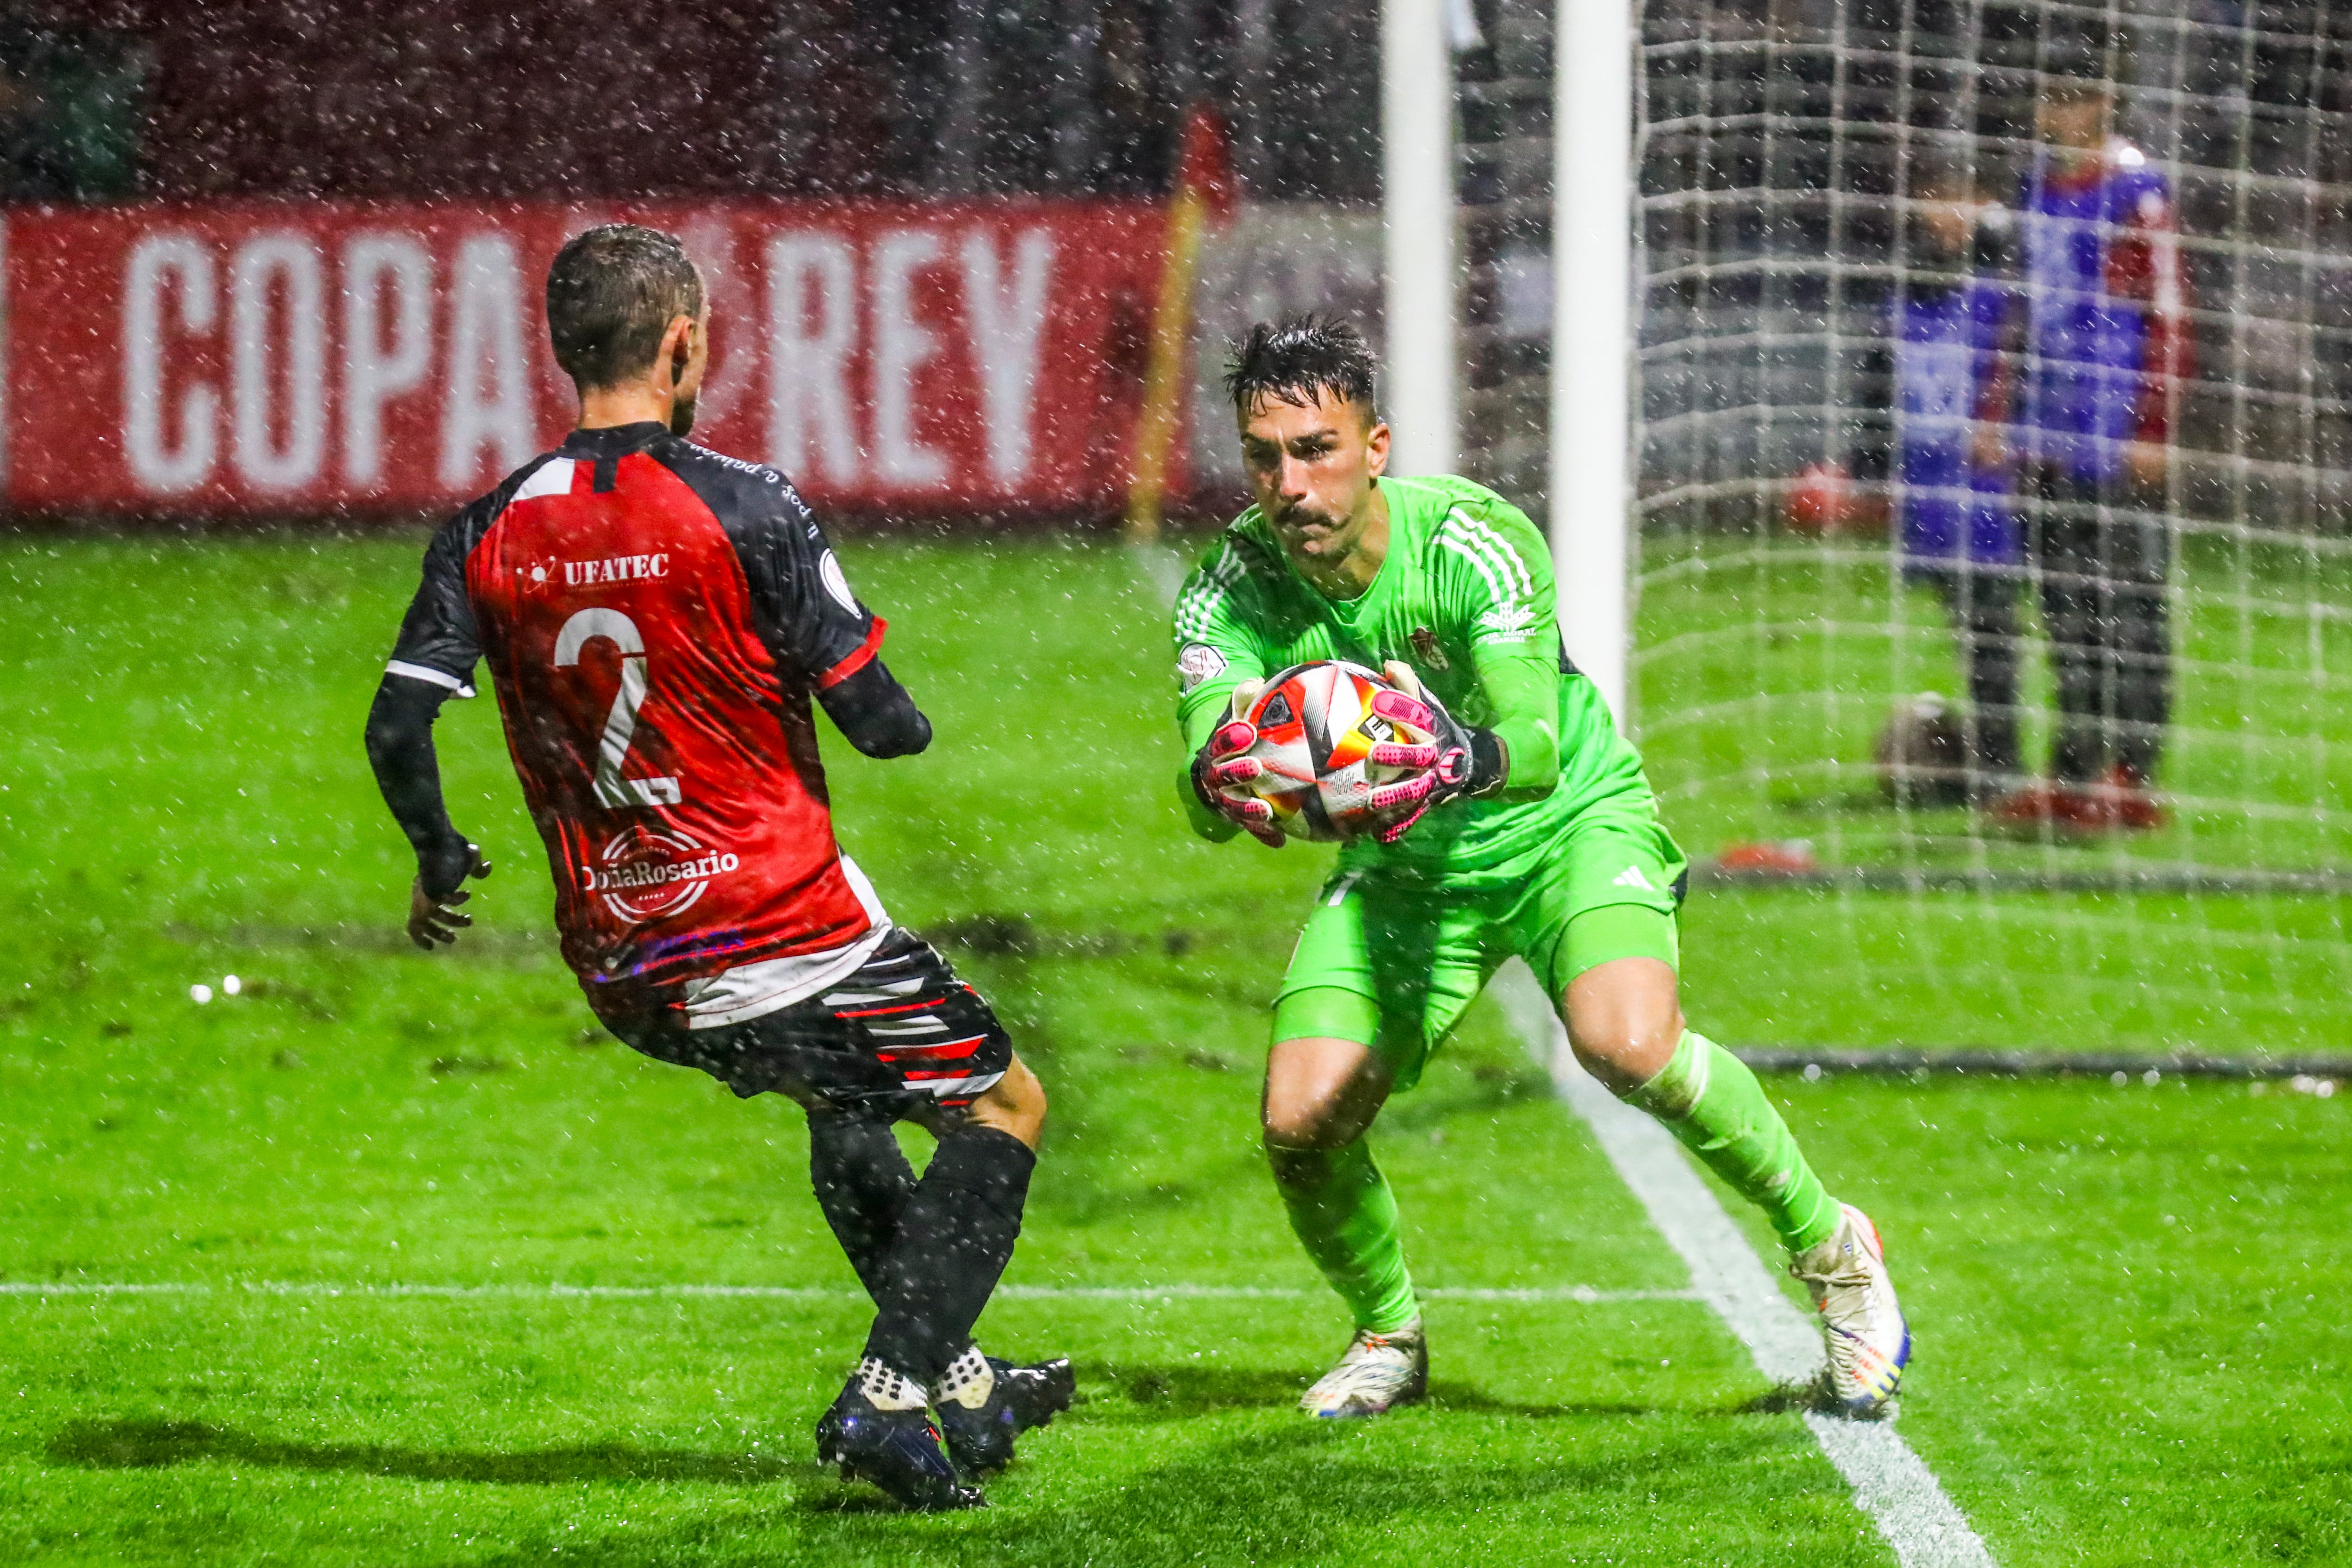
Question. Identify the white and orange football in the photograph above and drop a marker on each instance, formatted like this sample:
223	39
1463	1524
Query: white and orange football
1316	730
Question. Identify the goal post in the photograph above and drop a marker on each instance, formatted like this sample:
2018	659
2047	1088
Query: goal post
1417	198
1590	487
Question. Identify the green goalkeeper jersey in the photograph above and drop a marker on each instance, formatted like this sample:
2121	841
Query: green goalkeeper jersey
1466	598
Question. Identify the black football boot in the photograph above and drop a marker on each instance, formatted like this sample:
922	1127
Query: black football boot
985	1403
878	1431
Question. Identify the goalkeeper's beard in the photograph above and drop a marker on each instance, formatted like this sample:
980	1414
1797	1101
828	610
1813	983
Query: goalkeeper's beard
681	417
1295	522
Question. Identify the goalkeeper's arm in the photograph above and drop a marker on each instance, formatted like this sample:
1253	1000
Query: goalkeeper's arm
1523	689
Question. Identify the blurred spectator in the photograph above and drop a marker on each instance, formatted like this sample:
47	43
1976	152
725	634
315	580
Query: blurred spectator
2106	346
1957	523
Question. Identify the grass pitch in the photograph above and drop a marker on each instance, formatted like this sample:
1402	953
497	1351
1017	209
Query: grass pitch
349	1190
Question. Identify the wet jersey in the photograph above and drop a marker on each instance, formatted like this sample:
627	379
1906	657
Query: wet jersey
655	618
2107	303
1947	348
1465	597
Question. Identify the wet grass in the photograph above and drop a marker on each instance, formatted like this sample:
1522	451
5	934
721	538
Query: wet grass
2125	1298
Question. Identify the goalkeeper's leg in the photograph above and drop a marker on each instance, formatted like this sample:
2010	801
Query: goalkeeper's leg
1379	975
1321	1095
1625	1020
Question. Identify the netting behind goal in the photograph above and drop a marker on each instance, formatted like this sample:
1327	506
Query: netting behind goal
1851	209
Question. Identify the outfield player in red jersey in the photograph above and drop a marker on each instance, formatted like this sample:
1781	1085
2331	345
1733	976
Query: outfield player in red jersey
657	618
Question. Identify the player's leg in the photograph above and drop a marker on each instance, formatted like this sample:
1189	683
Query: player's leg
1610	964
903	1037
862	1181
955	1072
2074	598
1376	978
2142	559
1984	614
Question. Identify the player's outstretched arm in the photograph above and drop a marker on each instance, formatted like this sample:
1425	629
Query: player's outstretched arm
876	714
408	772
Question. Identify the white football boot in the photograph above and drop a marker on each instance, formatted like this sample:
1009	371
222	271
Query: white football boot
1379	1372
1861	1323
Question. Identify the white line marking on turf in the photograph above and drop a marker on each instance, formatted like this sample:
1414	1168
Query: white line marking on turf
1890	1483
1582	1295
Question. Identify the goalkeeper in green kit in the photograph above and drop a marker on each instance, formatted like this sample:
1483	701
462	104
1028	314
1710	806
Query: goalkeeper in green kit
1524	827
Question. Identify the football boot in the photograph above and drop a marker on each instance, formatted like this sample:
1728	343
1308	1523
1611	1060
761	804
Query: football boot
880	1431
1868	1341
983	1404
1379	1372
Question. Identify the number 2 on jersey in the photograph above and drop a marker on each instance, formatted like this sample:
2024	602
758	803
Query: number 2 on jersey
621	723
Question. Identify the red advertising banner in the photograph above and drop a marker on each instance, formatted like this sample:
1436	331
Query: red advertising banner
284	360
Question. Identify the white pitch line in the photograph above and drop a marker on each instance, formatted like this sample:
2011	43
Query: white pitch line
1582	1295
1890	1482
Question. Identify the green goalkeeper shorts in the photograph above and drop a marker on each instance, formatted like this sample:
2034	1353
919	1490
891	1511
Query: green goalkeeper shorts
1393	963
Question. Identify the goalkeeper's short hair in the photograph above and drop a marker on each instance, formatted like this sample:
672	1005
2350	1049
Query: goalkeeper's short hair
1300	359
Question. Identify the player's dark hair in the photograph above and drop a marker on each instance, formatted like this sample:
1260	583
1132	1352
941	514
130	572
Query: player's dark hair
612	292
1300	359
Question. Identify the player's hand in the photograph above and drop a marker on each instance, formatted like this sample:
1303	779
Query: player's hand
439	889
1222	768
1437	746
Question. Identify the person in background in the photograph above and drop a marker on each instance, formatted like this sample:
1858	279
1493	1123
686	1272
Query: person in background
2107	350
1958	530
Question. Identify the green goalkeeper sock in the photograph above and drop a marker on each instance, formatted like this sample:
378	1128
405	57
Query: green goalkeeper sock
1345	1216
1708	1099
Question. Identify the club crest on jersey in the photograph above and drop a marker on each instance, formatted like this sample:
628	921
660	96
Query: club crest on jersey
1199	662
645	875
1425	644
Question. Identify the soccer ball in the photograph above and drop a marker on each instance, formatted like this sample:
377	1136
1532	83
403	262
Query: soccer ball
1316	730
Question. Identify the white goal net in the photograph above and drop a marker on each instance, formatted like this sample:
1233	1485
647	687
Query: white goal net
1993	638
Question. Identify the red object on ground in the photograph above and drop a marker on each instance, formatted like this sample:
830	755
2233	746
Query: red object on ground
2120	799
2127	801
2050	804
1821	500
1790	857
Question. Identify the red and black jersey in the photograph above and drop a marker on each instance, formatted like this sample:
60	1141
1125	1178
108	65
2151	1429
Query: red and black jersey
655	618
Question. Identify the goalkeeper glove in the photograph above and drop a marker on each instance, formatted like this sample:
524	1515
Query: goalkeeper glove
1454	760
1222	768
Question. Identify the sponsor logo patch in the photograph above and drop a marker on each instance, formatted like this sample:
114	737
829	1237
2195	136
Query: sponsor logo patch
645	875
614	568
1505	621
1199	662
829	570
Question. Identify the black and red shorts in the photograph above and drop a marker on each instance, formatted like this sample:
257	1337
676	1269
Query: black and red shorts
899	1034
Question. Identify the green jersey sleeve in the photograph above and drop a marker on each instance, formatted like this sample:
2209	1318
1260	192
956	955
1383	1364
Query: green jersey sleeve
1218	646
1494	579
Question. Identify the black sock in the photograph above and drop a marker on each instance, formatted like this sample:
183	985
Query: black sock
863	1182
954	1239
